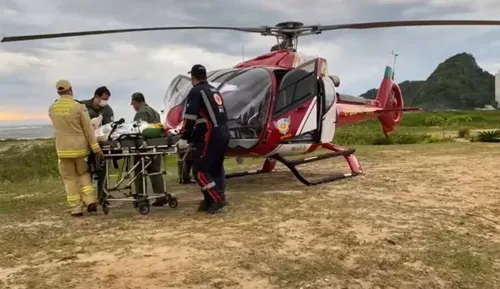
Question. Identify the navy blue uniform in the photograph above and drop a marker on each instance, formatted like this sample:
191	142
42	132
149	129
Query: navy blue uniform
205	126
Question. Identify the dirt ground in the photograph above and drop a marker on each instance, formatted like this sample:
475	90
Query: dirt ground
422	216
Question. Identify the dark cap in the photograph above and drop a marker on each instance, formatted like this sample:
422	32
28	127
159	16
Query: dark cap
198	70
137	96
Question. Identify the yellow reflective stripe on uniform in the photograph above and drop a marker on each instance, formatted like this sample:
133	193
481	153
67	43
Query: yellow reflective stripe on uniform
87	190
73	200
63	107
72	153
94	146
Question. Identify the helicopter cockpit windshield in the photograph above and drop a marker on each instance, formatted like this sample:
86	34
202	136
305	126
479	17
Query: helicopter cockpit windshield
245	93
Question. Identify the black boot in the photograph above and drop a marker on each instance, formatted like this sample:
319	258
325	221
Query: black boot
205	204
203	207
92	207
215	207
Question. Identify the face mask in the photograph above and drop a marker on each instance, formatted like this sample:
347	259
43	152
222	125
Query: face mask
103	103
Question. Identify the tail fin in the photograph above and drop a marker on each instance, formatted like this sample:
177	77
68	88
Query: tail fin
390	100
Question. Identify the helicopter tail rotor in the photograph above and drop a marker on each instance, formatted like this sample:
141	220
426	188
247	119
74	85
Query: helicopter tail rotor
390	99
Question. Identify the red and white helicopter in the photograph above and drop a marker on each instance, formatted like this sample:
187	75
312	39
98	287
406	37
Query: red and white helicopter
285	103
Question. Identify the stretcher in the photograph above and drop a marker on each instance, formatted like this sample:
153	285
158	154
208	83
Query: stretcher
135	153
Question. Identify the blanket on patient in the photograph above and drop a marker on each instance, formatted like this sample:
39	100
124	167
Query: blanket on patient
148	130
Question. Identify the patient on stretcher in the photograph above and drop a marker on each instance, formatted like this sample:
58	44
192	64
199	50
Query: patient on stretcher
106	132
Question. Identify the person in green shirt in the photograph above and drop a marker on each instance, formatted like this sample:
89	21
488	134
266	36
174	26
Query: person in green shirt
146	113
98	105
142	110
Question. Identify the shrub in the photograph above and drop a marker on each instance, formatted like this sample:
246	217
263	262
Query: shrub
434	120
21	162
476	119
488	136
460	119
464	133
365	137
439	140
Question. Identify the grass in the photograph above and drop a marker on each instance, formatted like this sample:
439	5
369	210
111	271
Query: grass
426	127
423	216
422	127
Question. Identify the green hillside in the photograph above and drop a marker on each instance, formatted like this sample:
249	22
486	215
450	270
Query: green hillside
456	83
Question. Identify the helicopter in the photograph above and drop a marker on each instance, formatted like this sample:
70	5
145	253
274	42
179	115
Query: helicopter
285	103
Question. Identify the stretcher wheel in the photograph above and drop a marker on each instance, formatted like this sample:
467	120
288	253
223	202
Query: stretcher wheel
144	209
105	208
172	203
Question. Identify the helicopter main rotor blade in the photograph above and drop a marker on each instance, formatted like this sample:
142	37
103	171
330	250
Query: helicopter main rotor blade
97	32
385	24
264	30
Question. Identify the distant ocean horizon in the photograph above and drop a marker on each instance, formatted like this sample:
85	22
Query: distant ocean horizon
26	131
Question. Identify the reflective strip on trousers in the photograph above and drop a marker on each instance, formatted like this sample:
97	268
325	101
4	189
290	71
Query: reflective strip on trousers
201	120
88	190
209	108
73	200
208	186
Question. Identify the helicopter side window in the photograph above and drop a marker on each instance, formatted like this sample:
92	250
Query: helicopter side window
297	85
221	76
245	94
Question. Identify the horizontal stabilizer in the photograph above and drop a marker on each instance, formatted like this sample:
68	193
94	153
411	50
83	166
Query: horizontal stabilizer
398	109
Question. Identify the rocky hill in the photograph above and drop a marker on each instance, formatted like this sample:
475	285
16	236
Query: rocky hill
457	83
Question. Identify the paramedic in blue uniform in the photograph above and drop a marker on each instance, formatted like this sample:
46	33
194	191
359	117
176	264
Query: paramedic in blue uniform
205	127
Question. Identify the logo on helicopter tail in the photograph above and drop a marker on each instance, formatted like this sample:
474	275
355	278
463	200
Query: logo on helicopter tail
283	125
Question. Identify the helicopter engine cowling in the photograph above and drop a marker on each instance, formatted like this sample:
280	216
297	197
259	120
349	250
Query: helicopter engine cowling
336	80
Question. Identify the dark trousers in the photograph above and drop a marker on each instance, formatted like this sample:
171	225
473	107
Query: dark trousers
97	171
156	180
184	167
208	167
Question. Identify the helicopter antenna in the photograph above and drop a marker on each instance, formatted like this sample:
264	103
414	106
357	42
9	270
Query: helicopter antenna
394	55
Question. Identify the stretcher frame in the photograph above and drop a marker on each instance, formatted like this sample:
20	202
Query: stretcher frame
126	147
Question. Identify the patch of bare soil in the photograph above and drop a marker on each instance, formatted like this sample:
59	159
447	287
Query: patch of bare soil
418	218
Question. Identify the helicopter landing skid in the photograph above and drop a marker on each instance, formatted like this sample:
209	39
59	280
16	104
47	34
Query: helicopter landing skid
337	151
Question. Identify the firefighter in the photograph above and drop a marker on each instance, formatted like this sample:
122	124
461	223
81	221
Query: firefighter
74	138
205	110
146	113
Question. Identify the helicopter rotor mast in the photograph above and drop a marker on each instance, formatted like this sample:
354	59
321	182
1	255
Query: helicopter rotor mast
287	34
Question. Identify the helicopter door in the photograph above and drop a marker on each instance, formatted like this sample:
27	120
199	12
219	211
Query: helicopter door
295	112
327	110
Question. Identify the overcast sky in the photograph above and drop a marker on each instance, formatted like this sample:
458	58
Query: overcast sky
147	61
